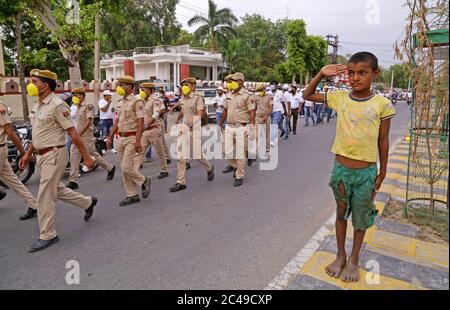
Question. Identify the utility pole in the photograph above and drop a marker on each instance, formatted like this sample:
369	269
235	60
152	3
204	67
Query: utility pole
392	82
97	60
333	41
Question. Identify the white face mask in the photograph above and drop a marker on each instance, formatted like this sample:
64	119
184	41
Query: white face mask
273	87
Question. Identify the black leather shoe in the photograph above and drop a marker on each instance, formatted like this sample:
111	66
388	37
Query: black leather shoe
250	162
211	174
89	211
129	201
163	175
111	174
282	134
146	188
73	186
30	214
42	244
188	166
228	169
177	187
2	195
238	182
169	161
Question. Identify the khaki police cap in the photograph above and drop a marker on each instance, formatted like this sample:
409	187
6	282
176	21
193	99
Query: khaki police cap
44	74
190	80
78	91
126	80
238	77
147	85
228	77
260	88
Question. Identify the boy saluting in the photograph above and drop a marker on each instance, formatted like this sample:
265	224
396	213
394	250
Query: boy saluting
363	126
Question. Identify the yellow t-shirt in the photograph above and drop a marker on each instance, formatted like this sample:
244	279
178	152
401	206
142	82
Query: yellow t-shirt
358	124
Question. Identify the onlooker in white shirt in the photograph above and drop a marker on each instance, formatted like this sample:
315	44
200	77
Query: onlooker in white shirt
106	115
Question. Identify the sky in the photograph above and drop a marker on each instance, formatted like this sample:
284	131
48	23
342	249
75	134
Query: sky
362	25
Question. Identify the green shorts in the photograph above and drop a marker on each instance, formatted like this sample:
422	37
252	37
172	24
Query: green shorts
359	185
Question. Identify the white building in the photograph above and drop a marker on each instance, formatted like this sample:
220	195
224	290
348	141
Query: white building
164	63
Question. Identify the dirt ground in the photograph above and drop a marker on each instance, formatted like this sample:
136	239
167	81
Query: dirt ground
435	232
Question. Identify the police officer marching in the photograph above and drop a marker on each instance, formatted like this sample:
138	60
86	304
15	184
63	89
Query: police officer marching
129	126
239	112
264	107
83	122
50	120
6	173
153	133
192	110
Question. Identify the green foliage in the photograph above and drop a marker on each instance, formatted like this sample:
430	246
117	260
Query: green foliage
297	47
217	27
141	23
401	76
257	49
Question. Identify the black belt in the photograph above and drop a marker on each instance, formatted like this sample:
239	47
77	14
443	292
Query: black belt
2	145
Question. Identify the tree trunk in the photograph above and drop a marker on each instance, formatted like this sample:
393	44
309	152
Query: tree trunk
293	79
23	92
44	12
97	79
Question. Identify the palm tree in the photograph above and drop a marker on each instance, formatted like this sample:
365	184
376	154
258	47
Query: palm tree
218	25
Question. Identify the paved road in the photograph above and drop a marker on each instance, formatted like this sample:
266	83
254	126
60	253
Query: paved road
211	236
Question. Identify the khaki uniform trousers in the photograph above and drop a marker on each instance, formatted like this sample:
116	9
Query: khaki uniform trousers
164	143
132	178
12	181
51	188
181	165
236	151
152	137
75	158
259	121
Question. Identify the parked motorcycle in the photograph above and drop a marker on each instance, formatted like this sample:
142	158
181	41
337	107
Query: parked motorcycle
24	134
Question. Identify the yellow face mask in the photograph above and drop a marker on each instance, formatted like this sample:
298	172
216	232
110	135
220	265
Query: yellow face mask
143	95
262	93
32	90
232	85
76	100
120	91
186	90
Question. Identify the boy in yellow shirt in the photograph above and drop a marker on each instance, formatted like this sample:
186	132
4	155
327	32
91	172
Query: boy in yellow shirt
363	125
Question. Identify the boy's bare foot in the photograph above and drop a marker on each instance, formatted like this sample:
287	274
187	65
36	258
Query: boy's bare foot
351	271
335	268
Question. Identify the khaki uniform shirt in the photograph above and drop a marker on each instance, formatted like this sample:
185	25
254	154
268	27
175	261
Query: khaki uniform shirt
153	105
239	106
263	104
4	120
50	120
129	110
85	113
190	106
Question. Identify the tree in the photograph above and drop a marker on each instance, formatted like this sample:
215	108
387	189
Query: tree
316	56
258	47
12	12
141	23
218	25
297	48
401	76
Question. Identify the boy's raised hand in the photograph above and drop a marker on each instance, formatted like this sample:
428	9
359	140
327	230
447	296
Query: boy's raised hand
333	70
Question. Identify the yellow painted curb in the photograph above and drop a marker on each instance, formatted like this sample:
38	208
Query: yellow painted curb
315	268
399	157
433	254
393	243
403	166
